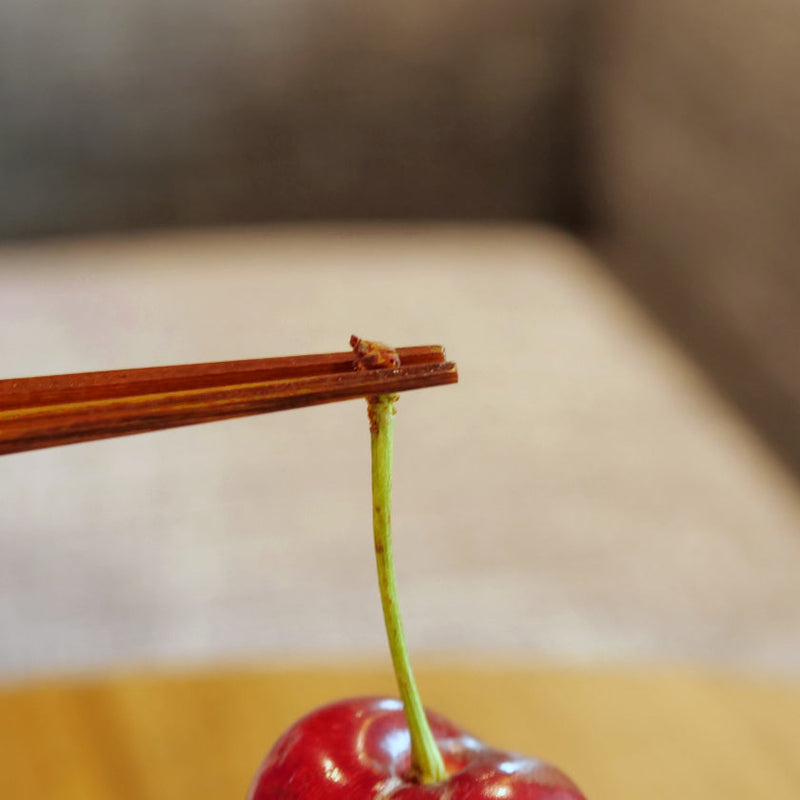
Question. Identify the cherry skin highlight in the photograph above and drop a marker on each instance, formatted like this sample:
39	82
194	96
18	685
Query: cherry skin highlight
359	749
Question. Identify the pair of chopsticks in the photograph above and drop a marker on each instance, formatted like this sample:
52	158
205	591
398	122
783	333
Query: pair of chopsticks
64	409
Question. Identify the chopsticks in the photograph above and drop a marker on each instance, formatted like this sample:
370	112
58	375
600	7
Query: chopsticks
64	409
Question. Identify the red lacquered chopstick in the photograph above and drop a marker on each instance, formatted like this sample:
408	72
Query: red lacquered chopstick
65	409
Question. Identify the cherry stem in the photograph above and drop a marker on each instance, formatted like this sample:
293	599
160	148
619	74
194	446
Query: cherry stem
426	760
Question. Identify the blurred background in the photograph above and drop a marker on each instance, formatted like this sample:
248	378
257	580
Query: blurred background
594	206
669	133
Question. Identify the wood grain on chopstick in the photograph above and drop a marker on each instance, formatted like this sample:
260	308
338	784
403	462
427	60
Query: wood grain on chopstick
63	409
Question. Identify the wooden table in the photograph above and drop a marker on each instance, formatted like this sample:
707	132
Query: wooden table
623	735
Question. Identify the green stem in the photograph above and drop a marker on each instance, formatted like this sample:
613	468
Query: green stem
426	760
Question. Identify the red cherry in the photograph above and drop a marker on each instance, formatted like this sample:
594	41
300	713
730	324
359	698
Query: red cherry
360	750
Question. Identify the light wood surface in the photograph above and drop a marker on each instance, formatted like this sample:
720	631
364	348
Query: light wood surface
623	735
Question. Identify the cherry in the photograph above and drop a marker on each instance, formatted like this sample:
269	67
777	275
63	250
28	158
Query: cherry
385	749
361	748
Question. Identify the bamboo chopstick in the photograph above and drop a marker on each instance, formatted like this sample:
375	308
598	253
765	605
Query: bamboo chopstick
64	409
